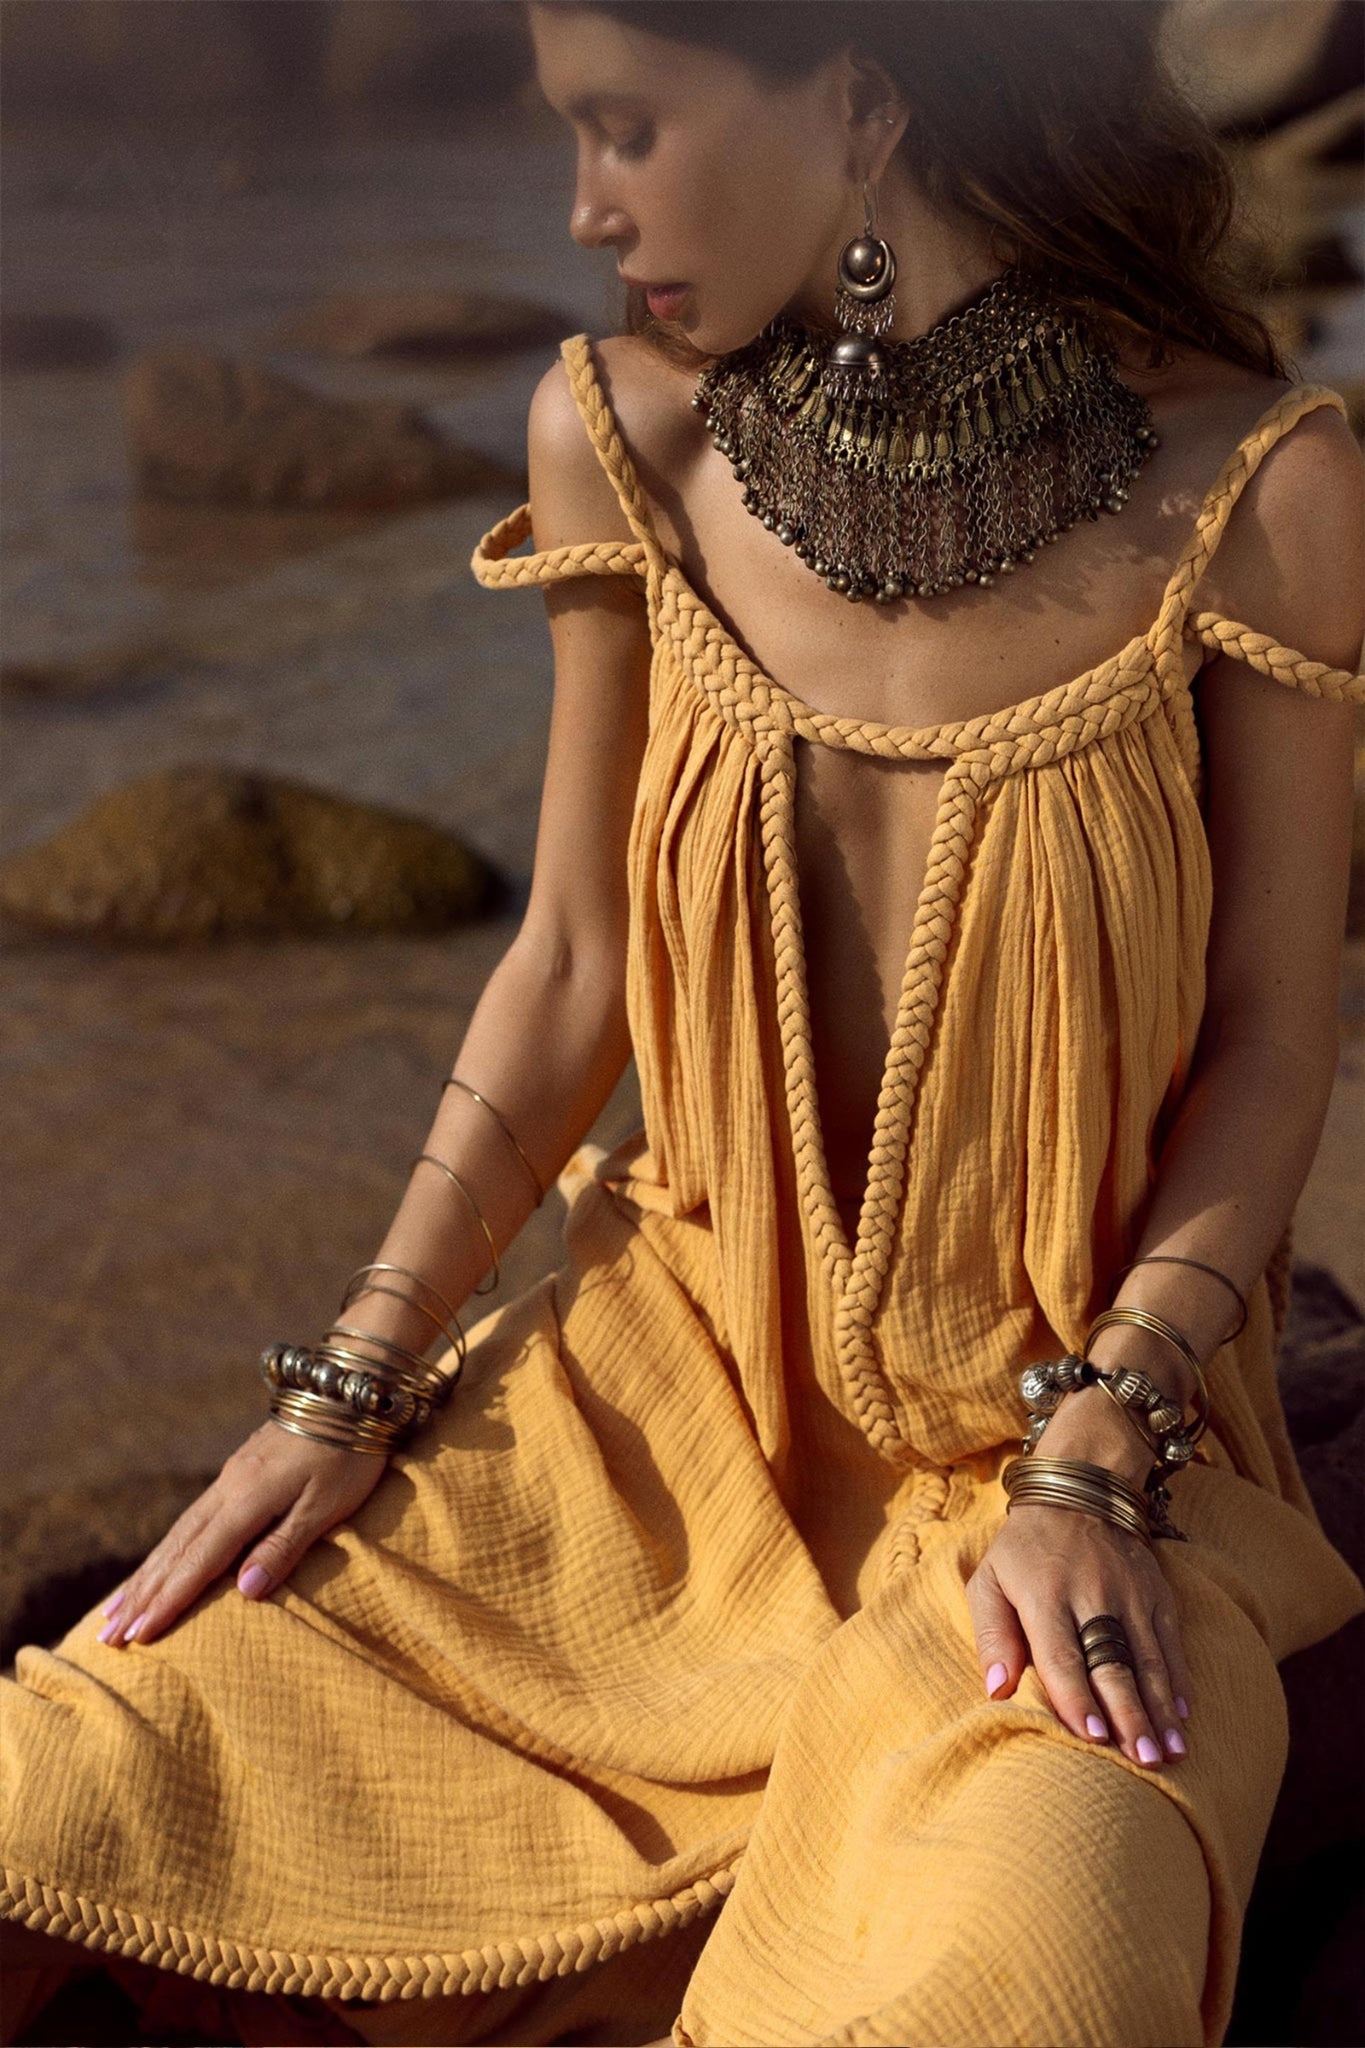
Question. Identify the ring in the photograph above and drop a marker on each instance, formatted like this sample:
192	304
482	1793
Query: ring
1104	1640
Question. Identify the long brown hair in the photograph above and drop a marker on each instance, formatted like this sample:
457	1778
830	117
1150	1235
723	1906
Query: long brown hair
1056	123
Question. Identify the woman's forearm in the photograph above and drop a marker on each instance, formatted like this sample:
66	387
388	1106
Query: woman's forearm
1232	1169
546	1045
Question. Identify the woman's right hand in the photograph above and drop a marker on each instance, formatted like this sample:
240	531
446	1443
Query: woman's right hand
302	1486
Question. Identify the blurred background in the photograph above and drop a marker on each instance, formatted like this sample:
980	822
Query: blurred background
279	278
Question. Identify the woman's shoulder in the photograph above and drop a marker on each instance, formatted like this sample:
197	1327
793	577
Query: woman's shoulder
1297	503
647	399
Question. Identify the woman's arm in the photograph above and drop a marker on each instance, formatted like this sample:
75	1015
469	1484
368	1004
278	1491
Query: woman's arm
546	1044
549	1038
1279	774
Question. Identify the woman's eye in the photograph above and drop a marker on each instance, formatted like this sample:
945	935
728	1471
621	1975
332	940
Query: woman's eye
636	145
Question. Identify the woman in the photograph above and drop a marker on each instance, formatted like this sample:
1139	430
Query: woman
713	1665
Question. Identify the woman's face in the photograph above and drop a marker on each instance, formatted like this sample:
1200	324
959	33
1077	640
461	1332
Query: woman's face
694	171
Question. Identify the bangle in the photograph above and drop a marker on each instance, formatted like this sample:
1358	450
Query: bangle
1174	1259
451	1174
1159	1327
1076	1484
455	1082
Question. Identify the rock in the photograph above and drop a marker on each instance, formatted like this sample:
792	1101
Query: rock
204	852
54	341
424	323
208	429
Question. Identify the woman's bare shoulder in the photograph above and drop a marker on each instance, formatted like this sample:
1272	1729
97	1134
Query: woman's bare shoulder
649	400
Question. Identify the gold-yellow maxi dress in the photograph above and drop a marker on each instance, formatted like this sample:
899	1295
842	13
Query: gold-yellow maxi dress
642	1692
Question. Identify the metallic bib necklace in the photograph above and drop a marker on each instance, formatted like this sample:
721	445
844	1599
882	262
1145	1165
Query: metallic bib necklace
907	468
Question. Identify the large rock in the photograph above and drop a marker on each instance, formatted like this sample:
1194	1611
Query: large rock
422	323
209	429
200	853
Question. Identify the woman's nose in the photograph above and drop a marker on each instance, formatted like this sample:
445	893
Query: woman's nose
595	220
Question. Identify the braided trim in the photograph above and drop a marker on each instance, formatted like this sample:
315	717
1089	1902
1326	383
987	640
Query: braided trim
1038	728
935	917
858	1275
601	424
928	1502
242	1966
497	569
1285	664
1240	466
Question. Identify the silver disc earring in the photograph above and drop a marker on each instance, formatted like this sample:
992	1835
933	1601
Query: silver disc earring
864	303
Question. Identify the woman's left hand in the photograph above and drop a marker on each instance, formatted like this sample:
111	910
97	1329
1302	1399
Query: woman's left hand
1047	1571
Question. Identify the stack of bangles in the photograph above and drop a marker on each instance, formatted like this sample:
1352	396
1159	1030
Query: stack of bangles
1158	1419
340	1395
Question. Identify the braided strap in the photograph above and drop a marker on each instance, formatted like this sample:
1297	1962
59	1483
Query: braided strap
497	568
1261	651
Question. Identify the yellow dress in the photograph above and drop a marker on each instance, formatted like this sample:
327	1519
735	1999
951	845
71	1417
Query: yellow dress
642	1692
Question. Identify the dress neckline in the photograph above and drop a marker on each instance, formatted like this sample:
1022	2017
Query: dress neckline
722	653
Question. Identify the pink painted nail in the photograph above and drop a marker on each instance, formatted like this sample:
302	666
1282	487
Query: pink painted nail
1182	1707
1175	1742
113	1606
134	1626
107	1631
1094	1726
253	1580
995	1678
1148	1753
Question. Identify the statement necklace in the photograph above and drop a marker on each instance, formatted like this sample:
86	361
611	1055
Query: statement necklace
906	468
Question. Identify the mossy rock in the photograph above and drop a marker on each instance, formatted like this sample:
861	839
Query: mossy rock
207	852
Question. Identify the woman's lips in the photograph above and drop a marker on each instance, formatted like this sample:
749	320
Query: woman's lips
665	301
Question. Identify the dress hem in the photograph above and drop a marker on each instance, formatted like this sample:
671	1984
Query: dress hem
244	1966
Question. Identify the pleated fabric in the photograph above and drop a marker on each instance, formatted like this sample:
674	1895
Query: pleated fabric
657	1634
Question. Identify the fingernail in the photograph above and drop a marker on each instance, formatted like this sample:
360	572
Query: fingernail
107	1631
253	1581
113	1606
1148	1753
995	1678
1175	1742
134	1626
1182	1707
1096	1727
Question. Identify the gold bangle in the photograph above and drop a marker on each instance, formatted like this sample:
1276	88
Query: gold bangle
451	1174
458	1345
1078	1485
347	1431
455	1082
433	1387
384	1266
422	1365
1159	1327
1174	1259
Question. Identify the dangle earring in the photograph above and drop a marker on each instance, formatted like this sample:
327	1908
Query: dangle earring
864	303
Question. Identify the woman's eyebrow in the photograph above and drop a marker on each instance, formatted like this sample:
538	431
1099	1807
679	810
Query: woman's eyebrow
586	104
